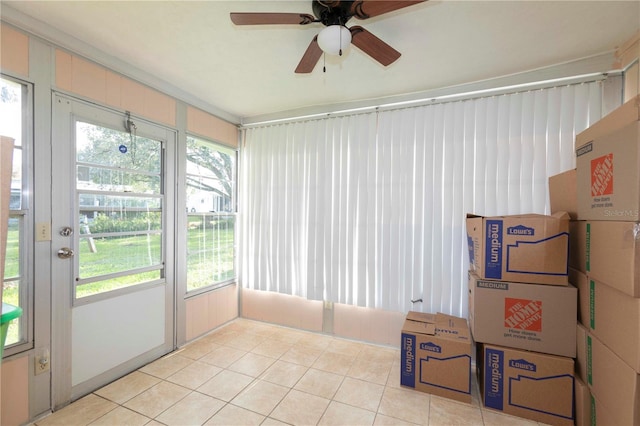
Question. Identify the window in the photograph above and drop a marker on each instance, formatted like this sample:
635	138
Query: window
14	119
210	205
120	197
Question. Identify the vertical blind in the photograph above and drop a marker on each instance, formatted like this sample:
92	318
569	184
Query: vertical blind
369	209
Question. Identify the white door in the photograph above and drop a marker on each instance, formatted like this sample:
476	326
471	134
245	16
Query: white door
112	238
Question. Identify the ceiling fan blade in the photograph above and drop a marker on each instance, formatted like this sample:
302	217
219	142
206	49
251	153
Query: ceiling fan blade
373	46
363	9
310	57
260	18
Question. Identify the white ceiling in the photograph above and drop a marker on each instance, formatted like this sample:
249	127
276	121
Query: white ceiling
245	72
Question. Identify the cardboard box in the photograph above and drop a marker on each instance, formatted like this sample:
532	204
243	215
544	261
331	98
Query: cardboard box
583	403
526	248
533	317
563	195
578	245
612	316
527	384
613	383
608	166
436	355
613	255
581	352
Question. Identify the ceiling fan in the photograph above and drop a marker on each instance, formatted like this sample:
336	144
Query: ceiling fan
336	36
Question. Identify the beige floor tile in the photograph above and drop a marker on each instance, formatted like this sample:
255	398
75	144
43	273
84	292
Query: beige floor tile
284	373
300	408
382	420
319	383
81	412
166	366
194	409
260	397
315	341
127	387
154	423
231	415
245	341
272	348
121	416
495	418
194	375
394	375
378	353
334	363
288	335
221	337
345	347
154	401
360	394
223	356
342	414
376	371
198	349
408	405
225	385
273	422
251	364
447	412
302	355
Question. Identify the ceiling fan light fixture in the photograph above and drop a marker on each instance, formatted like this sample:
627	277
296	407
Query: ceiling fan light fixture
334	39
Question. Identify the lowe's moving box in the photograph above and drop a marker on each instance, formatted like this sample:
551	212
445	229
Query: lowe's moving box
436	355
526	248
608	166
562	193
527	384
613	383
533	317
611	316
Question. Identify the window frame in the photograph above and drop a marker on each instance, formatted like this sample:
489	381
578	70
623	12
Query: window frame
233	152
26	216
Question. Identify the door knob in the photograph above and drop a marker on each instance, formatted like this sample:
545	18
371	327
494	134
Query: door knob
65	253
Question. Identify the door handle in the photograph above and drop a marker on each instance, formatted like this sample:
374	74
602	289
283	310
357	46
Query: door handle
65	253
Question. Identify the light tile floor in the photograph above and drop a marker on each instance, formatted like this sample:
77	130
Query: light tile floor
253	373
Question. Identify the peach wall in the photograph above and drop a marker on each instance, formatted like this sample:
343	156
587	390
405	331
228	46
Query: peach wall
282	309
87	79
14	51
15	392
207	125
210	310
627	54
351	322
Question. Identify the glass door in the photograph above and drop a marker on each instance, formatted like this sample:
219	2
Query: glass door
112	233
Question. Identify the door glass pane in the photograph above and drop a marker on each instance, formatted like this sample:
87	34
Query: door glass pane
120	209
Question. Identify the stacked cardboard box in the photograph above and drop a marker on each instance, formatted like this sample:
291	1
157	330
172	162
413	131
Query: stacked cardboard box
605	263
436	355
522	314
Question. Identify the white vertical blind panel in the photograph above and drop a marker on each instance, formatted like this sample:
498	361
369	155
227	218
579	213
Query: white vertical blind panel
369	209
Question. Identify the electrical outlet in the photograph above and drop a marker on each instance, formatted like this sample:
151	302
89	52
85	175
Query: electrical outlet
42	362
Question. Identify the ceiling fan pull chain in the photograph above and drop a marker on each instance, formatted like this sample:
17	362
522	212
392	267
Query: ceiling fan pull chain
324	62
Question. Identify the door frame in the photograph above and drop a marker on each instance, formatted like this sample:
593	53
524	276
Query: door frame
63	176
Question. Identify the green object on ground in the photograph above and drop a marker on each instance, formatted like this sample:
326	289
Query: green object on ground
9	313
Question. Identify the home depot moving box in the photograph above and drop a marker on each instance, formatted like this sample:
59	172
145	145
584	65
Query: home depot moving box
608	166
436	355
534	317
563	195
613	383
610	315
527	384
610	253
525	248
578	245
